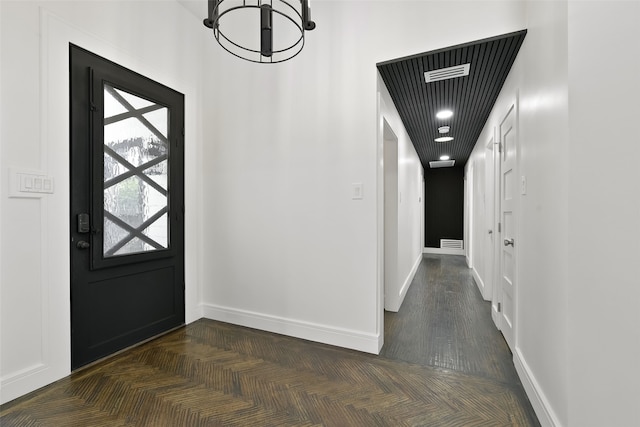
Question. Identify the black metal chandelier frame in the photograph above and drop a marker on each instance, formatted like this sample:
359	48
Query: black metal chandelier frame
266	9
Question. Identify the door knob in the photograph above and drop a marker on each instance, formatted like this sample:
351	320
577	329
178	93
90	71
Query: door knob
83	245
508	242
490	231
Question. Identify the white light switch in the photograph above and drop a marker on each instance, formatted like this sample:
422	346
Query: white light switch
356	191
27	183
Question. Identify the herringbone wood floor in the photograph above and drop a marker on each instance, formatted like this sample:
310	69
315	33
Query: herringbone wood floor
215	374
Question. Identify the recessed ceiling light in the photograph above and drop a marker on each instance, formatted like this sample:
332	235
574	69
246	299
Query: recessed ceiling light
444	129
444	157
444	139
444	114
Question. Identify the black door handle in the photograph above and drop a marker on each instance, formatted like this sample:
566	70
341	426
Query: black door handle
83	245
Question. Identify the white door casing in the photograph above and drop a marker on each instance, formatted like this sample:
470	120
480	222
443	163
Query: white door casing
489	223
507	243
390	162
497	288
469	216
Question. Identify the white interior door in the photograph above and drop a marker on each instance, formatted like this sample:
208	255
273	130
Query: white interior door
508	189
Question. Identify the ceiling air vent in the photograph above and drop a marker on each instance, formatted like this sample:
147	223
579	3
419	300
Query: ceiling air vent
441	164
447	73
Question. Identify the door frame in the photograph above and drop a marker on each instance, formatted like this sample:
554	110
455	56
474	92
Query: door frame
155	304
497	298
390	203
489	218
469	213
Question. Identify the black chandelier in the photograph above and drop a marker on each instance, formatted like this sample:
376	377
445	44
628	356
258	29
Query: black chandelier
235	27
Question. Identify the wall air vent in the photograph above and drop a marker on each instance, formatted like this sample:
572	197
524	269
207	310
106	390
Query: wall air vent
447	73
451	244
441	164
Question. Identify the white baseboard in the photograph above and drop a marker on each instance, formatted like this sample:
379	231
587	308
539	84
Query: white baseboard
193	314
397	303
27	380
369	343
479	283
409	279
443	251
539	401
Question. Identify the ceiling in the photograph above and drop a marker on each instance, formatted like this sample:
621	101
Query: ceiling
471	98
198	8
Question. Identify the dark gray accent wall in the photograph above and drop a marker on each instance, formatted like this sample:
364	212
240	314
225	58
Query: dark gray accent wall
444	207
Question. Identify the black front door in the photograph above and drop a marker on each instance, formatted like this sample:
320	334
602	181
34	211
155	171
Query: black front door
127	207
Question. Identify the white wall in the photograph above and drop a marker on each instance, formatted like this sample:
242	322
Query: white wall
542	299
410	203
577	344
287	249
34	287
538	81
604	208
1	201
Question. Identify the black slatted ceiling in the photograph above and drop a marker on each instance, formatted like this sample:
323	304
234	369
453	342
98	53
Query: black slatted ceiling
471	98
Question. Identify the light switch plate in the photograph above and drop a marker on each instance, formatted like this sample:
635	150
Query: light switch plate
27	183
357	192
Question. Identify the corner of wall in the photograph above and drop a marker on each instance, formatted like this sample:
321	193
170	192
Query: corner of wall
480	284
394	302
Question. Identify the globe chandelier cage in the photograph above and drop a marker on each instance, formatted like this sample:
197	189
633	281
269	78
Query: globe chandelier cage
261	31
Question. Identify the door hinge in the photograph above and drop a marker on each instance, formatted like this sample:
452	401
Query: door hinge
499	308
499	228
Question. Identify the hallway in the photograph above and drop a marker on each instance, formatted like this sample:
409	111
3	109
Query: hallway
444	322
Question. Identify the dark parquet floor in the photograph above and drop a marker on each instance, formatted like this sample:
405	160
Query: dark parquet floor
215	374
